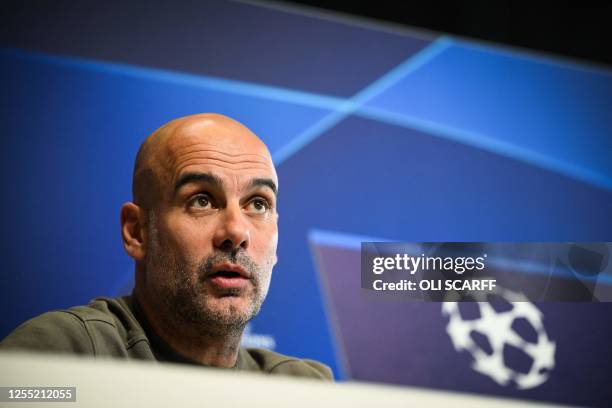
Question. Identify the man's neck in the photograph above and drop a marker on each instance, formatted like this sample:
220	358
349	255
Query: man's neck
215	347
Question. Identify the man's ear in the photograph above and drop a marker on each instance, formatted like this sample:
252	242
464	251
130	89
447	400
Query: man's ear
132	230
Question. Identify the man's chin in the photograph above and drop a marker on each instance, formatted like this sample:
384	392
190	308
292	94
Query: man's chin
233	309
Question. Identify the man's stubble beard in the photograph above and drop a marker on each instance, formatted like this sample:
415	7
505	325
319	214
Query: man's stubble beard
181	290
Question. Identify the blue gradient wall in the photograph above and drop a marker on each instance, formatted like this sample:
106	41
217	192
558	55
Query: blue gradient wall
375	133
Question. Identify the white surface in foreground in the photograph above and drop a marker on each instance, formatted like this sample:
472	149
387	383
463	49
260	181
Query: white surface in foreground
117	383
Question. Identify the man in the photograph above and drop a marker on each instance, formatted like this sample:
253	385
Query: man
203	233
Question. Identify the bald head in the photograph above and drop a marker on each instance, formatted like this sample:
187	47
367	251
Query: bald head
180	142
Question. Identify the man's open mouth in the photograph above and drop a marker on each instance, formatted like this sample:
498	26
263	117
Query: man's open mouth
229	270
227	274
229	277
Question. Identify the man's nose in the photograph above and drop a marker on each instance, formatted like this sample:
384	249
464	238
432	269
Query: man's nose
233	231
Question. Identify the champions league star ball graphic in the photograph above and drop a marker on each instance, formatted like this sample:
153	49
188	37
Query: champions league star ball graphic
493	332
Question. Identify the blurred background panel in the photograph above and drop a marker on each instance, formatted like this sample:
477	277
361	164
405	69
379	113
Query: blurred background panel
380	131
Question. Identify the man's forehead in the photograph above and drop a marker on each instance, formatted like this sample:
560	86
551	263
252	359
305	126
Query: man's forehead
230	150
224	148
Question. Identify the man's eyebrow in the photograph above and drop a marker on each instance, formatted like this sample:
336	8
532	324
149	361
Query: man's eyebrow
197	178
263	182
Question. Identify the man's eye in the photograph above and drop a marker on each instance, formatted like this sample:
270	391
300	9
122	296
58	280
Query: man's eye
201	202
258	206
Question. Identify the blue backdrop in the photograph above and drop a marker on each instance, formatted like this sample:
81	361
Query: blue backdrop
376	133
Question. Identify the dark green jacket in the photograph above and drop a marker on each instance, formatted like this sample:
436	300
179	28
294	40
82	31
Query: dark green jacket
116	327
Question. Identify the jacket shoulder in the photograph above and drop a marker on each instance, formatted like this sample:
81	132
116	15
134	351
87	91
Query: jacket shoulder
271	362
56	331
94	329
